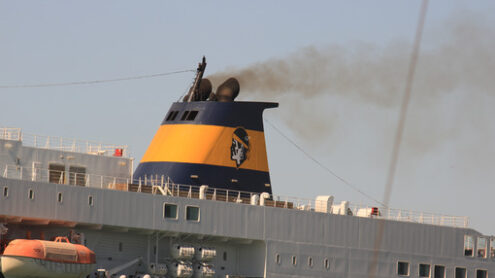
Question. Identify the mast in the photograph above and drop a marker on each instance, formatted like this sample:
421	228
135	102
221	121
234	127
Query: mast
194	91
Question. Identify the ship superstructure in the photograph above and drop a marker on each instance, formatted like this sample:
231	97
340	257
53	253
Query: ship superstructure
200	204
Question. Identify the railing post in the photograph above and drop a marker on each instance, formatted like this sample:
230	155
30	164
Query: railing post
101	181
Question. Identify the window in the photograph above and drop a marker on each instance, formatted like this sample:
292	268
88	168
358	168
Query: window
424	270
59	197
31	194
120	247
482	247
468	246
169	211
184	116
77	175
172	115
481	273
277	258
224	255
192	213
439	271
326	264
189	115
56	173
5	191
460	272
294	260
192	115
492	247
310	262
403	268
90	200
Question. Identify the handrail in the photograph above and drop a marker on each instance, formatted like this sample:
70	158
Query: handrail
164	186
63	144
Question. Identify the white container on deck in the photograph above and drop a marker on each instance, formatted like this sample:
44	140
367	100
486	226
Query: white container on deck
324	203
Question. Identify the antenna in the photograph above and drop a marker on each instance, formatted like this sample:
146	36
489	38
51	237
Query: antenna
194	91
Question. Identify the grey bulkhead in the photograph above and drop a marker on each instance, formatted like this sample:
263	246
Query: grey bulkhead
258	241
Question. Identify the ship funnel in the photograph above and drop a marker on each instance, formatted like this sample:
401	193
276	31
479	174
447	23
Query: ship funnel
213	143
228	90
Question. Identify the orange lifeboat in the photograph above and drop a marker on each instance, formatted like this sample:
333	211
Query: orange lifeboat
24	258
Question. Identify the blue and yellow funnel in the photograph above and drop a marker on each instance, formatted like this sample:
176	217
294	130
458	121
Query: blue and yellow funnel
218	143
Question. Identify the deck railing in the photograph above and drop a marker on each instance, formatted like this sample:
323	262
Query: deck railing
63	144
164	186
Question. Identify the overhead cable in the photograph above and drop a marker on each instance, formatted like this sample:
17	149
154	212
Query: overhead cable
355	188
75	83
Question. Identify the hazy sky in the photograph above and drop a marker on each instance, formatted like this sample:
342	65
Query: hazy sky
448	157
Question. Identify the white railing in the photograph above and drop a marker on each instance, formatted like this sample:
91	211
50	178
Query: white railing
164	186
63	144
10	133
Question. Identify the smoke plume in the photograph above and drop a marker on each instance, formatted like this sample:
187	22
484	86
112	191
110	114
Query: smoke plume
458	56
463	57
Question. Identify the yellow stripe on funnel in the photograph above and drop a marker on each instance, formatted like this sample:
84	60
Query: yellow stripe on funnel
204	144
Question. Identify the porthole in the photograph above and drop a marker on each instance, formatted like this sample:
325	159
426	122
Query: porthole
277	258
31	194
60	197
326	264
90	200
294	260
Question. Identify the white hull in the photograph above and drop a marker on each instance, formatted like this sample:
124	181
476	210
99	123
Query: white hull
22	267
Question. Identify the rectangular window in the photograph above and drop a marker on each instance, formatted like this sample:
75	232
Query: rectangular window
482	247
192	115
90	200
460	272
192	213
468	246
56	173
403	268
77	175
439	271
170	211
31	194
492	247
60	198
169	117
5	191
184	116
424	270
172	115
481	273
